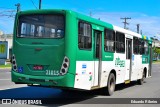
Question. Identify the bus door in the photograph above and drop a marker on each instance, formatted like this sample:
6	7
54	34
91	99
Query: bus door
128	59
97	57
150	59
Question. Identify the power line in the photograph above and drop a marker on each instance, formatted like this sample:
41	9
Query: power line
6	8
8	13
34	4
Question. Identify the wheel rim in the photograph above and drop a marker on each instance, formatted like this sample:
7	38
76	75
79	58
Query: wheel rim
112	85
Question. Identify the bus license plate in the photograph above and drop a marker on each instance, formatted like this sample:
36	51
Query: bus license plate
37	67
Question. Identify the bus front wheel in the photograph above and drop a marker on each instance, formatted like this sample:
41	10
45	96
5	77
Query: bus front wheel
111	84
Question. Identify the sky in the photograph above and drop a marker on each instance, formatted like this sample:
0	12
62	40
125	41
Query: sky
143	12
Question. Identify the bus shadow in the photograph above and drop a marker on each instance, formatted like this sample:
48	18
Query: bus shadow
122	86
54	96
57	96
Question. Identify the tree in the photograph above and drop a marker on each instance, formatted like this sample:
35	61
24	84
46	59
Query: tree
156	52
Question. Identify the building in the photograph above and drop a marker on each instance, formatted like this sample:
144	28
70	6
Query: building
8	38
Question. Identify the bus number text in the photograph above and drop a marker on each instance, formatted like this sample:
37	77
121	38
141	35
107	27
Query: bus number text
52	72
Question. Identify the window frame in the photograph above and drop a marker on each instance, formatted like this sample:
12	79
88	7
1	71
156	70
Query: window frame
120	42
105	39
145	41
135	44
33	37
84	22
141	46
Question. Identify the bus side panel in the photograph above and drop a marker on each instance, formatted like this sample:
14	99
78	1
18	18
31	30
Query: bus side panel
137	67
83	79
71	43
120	67
84	66
107	66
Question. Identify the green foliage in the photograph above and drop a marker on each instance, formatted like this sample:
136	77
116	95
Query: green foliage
157	50
5	66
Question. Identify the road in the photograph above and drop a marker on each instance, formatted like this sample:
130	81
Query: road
150	89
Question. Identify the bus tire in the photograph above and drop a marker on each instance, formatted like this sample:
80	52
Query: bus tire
141	81
111	84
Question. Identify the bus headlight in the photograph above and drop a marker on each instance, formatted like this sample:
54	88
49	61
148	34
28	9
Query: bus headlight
65	65
14	64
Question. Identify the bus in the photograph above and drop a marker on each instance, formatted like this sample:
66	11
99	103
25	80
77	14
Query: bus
67	50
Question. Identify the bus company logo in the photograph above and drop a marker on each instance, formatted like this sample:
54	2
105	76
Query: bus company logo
84	66
119	62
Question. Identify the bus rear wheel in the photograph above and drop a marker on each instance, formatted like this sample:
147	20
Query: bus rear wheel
111	84
141	81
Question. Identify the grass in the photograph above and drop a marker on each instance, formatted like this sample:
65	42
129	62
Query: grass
5	66
156	61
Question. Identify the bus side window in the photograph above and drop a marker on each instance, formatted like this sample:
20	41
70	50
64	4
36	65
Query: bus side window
84	36
135	45
109	40
146	51
120	42
141	46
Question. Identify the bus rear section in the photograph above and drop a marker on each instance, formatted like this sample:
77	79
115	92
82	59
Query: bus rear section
39	50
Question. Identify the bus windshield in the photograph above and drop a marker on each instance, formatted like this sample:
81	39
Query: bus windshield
41	26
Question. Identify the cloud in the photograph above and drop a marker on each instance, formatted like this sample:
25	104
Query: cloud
150	25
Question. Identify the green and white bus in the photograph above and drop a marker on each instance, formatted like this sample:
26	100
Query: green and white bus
65	49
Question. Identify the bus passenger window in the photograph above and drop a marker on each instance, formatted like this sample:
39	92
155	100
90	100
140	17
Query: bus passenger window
109	40
84	36
141	46
120	42
146	48
135	45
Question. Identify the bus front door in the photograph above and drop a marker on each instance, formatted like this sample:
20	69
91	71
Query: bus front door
97	58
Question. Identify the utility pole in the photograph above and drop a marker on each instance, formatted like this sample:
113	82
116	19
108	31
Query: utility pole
125	22
138	25
40	2
18	6
141	32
